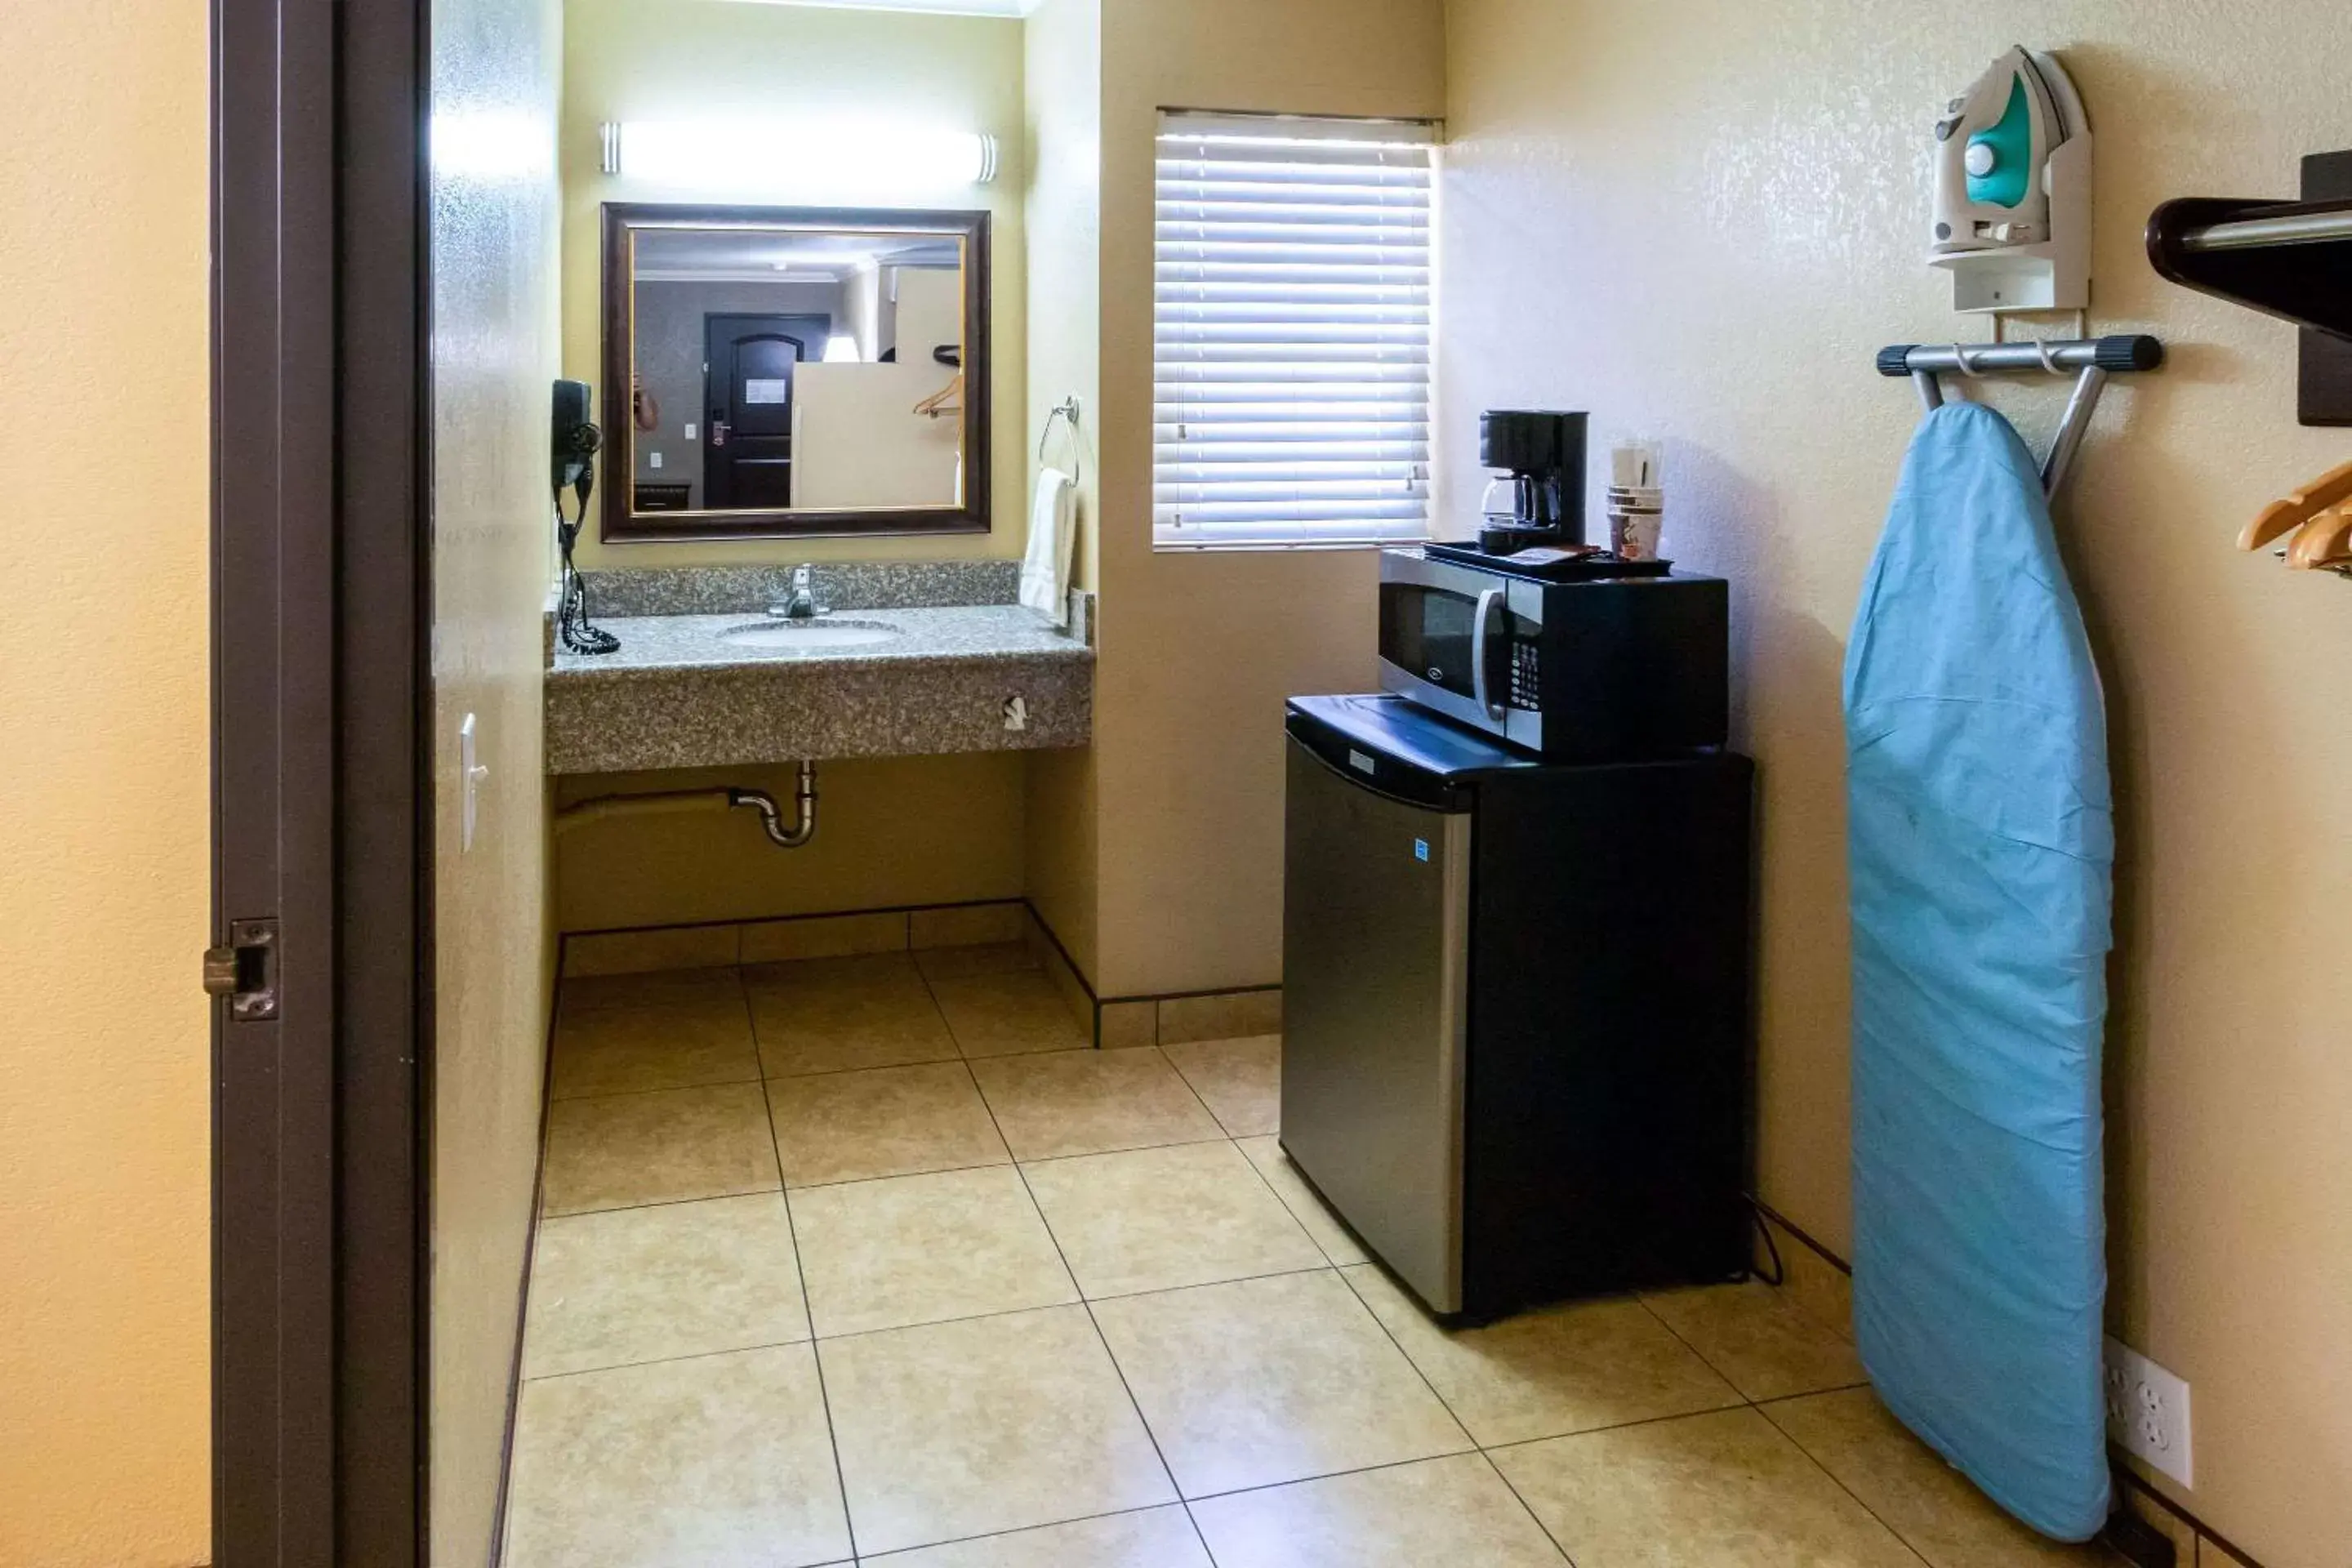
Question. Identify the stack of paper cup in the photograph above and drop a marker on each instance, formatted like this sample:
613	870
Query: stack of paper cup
1636	504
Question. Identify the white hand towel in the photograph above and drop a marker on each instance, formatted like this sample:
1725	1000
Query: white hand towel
1053	533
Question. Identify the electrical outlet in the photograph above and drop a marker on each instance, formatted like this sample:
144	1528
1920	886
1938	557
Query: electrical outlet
2147	1411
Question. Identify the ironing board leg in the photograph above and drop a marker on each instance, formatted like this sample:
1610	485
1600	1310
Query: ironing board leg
2071	430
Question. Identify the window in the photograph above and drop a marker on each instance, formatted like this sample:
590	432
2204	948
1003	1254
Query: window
1292	332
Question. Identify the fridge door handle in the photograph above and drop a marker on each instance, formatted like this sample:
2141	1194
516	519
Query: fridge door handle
1490	607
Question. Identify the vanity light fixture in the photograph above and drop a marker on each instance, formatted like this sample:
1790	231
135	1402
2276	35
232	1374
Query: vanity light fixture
852	158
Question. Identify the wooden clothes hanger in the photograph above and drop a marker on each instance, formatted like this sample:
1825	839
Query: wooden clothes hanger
936	405
2280	518
2324	540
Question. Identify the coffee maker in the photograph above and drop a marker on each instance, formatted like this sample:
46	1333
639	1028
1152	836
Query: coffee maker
1540	499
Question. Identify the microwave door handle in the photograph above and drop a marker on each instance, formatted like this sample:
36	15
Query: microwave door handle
1490	606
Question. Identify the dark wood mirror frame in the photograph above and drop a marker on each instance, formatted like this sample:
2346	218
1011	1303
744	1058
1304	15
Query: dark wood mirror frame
618	521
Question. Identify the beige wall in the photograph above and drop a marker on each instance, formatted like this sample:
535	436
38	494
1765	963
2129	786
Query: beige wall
648	59
494	352
1700	221
1062	81
1200	650
104	858
891	831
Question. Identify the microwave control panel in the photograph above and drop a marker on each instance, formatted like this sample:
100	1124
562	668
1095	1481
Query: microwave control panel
1525	688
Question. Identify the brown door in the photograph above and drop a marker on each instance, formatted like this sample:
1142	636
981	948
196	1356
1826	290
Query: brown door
749	365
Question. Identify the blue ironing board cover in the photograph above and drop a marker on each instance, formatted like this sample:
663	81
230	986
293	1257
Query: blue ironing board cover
1981	850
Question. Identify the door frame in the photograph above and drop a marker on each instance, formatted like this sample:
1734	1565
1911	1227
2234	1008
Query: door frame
321	780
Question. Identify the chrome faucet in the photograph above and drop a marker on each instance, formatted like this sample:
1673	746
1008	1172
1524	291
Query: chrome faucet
803	604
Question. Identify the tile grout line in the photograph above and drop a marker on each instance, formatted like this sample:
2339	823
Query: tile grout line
1444	1404
1270	1187
669	1360
1860	1502
808	1307
1095	1324
1031	1529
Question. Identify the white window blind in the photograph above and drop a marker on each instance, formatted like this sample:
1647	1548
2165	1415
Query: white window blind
1292	332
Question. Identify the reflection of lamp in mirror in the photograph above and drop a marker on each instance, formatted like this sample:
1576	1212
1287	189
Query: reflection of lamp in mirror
850	157
842	349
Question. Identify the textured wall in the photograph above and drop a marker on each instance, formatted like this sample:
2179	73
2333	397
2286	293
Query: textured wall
1700	221
1200	650
494	199
104	867
1062	86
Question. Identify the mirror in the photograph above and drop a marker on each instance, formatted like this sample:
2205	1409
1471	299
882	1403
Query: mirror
779	371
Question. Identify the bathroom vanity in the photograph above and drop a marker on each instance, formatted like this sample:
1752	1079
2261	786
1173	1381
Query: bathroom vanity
908	660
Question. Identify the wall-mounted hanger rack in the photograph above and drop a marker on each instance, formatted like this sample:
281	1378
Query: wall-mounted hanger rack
2092	361
1065	409
2289	259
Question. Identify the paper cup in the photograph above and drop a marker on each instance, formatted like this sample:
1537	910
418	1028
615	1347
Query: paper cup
1634	534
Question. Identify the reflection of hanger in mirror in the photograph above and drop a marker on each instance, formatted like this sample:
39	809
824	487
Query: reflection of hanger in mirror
644	408
943	402
2324	540
2283	517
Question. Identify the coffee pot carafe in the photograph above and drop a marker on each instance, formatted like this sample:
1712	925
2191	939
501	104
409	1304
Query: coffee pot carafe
1538	499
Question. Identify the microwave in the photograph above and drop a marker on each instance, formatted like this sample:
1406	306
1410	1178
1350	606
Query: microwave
1607	669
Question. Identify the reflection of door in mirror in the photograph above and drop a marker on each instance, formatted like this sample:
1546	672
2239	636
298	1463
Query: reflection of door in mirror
796	370
749	364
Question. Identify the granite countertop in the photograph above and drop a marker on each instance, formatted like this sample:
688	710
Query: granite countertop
960	675
663	645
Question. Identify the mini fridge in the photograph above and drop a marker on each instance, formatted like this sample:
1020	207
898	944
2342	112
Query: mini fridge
1516	1014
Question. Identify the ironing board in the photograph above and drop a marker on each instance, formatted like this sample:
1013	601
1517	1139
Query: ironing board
1981	847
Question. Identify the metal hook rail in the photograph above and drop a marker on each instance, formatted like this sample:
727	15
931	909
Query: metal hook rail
2092	360
1065	409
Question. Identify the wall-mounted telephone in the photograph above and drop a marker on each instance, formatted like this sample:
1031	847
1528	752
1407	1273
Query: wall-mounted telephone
572	446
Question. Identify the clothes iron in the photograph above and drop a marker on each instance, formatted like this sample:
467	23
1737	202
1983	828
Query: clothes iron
2013	189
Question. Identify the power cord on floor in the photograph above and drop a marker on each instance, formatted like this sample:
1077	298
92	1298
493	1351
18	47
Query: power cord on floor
1779	1275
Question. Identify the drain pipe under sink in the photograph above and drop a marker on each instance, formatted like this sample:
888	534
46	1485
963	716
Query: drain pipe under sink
596	808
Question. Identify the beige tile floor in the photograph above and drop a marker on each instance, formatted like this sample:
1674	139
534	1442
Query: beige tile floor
871	1260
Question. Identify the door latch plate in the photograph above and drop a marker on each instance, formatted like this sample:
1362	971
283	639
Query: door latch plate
245	971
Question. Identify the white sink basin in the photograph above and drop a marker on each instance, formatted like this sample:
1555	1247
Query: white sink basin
807	636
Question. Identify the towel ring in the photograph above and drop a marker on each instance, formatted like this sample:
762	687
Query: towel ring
1066	409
